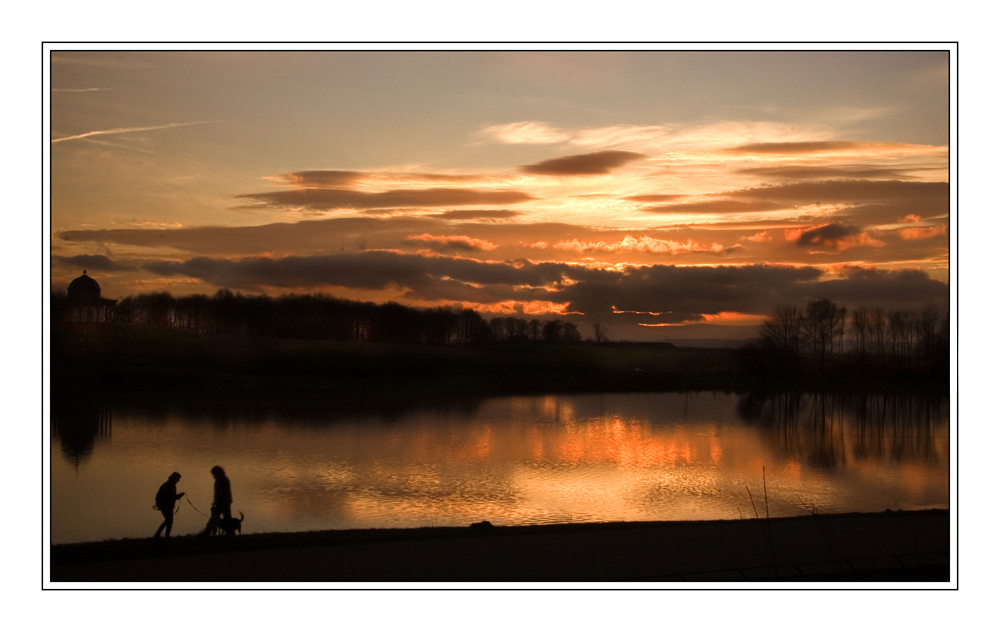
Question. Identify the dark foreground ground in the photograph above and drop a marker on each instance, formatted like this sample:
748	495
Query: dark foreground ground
883	547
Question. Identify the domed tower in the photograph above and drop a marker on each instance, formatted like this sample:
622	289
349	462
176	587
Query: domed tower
84	288
85	302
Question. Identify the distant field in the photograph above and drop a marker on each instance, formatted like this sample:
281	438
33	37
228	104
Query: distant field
144	357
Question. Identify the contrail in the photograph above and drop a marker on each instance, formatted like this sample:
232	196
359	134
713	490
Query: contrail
122	130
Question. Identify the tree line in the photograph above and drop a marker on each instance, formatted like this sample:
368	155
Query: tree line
822	337
328	317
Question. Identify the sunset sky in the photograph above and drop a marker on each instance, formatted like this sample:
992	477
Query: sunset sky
664	194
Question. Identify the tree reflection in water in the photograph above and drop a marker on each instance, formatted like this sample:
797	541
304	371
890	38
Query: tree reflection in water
78	422
834	429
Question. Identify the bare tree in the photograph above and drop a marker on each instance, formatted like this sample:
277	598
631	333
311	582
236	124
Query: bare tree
600	333
783	330
824	328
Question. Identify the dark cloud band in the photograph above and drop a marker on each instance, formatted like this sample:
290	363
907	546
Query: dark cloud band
583	164
665	294
325	199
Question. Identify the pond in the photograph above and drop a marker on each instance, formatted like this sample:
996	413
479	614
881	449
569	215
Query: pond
512	460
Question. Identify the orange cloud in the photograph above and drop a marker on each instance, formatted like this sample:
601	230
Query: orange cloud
914	233
760	237
919	232
615	310
733	318
531	308
642	244
721	318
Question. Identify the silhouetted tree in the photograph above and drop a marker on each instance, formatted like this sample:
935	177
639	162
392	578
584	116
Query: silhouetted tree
535	329
600	333
472	328
782	331
551	330
823	326
568	332
886	343
319	316
927	328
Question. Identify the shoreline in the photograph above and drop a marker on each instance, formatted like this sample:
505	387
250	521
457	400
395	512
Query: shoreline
891	546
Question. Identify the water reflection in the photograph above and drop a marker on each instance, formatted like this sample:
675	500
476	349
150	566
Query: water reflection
78	423
359	463
835	430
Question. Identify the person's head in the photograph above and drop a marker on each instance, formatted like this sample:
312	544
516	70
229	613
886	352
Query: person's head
174	477
217	471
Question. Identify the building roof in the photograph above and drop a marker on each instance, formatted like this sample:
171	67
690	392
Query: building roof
84	288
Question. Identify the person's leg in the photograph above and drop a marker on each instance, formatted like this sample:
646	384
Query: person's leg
213	521
168	518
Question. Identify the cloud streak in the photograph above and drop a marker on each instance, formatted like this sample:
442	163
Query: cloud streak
125	130
822	147
328	199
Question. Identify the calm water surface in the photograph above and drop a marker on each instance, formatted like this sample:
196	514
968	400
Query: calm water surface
509	460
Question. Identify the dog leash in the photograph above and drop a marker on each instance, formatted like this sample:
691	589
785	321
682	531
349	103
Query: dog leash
193	507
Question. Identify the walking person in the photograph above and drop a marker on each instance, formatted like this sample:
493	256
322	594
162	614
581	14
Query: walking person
222	501
166	496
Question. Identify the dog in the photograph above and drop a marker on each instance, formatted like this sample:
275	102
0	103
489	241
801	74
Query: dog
230	526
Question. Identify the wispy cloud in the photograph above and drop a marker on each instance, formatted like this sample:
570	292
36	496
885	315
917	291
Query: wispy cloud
525	133
125	130
846	148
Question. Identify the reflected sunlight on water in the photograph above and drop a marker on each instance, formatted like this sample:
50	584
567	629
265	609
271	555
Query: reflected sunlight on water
509	460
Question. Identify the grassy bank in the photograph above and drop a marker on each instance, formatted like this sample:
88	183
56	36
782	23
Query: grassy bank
887	546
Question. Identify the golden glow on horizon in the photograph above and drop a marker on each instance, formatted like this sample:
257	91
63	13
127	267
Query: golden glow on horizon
722	318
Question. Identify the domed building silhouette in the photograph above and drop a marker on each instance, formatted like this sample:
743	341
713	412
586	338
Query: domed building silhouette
85	305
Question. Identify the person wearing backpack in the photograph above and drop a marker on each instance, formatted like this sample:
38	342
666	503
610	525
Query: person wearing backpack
166	496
